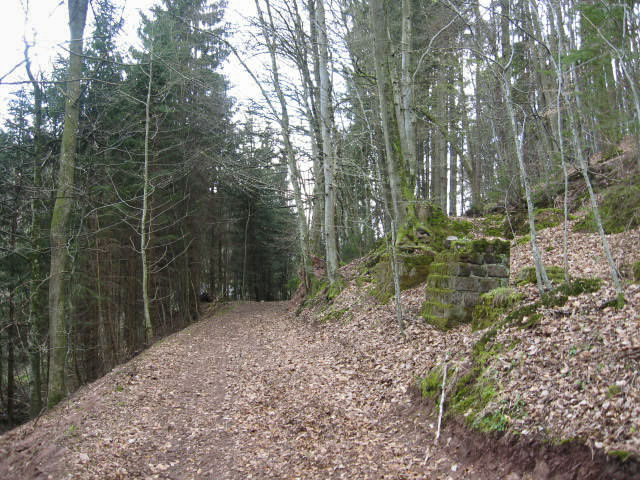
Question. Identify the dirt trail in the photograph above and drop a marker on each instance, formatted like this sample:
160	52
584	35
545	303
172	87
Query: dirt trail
249	393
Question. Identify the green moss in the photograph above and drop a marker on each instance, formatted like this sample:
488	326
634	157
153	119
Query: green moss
581	285
336	288
427	225
318	286
54	400
334	315
636	272
460	228
492	422
619	210
586	224
528	275
431	385
525	316
618	302
518	221
548	217
492	305
472	394
493	225
613	390
621	455
523	240
361	280
481	246
317	295
382	295
554	299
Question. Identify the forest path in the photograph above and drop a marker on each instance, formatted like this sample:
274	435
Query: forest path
251	392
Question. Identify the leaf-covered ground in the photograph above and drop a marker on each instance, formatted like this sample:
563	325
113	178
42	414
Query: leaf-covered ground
258	392
250	393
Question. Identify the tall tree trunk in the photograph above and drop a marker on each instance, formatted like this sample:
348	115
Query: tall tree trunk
316	143
541	273
283	118
38	297
377	19
62	208
106	352
407	90
145	231
328	147
585	173
244	254
11	358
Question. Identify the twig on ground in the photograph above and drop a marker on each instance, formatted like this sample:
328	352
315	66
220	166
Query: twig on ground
444	382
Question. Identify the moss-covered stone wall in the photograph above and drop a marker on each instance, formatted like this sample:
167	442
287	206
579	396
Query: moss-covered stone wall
459	275
419	240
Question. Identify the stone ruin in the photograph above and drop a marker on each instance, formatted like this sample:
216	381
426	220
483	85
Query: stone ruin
456	271
459	275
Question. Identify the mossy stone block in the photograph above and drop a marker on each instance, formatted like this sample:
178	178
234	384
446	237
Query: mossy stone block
493	225
435	308
497	270
465	299
456	269
443	295
444	319
488	284
468	284
440	281
471	257
478	270
446	256
414	269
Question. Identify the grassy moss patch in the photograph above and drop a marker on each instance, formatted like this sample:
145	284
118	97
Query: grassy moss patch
492	305
493	225
431	385
621	455
548	217
619	210
579	286
336	288
334	315
528	275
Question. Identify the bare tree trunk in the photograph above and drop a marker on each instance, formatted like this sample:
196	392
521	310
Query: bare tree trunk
244	257
146	193
541	273
103	334
406	86
286	135
62	207
38	299
318	155
560	136
328	147
391	141
585	173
